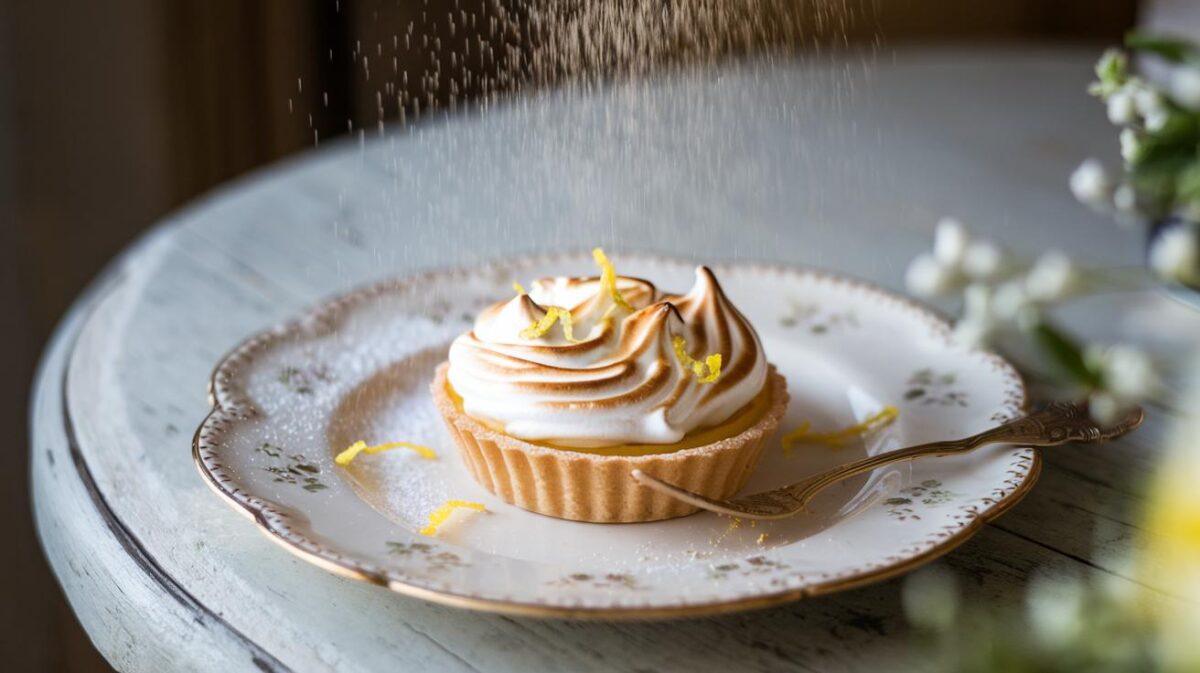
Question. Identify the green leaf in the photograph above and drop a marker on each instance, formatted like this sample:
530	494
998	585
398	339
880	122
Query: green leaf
1173	49
1112	71
1187	183
1064	353
1180	131
1158	172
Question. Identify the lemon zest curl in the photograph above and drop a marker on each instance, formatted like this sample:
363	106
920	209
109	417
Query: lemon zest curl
538	328
608	279
837	438
345	457
707	371
439	516
555	314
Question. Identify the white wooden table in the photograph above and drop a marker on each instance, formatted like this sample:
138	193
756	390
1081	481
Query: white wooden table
841	164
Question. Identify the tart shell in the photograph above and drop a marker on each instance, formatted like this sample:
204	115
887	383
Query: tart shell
584	486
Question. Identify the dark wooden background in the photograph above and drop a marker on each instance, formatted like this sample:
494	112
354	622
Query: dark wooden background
113	112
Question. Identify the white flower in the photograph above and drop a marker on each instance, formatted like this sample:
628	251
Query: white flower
1131	145
1128	373
931	600
927	277
1051	278
950	241
1010	301
1104	408
983	260
1175	254
977	300
1128	203
1149	105
1125	199
1055	607
976	324
1146	100
972	333
1113	585
1185	87
1157	120
1121	110
1090	184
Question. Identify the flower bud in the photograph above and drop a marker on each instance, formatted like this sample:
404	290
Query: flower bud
1121	110
927	277
1010	301
1147	101
950	241
1175	254
1131	145
1185	87
1090	184
1052	277
983	260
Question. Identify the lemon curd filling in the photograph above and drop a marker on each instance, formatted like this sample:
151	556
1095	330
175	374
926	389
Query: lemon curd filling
741	420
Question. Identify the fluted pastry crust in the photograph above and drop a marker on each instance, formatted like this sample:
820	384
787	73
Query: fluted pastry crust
583	486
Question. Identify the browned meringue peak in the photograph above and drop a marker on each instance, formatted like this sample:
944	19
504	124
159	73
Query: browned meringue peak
584	297
622	382
716	326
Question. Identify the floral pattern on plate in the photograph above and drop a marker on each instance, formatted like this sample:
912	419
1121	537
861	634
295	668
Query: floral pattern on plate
359	367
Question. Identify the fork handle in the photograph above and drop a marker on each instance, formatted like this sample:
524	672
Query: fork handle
1054	424
805	490
1051	425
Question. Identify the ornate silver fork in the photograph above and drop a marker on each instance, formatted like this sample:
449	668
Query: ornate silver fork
1051	425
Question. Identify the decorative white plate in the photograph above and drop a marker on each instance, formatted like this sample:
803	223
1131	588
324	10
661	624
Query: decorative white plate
359	367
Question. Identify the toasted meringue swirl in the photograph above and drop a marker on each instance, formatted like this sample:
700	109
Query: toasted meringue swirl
620	382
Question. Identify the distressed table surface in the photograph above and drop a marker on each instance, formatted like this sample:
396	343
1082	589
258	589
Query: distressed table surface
838	164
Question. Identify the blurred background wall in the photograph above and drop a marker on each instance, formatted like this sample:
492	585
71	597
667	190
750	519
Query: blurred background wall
114	112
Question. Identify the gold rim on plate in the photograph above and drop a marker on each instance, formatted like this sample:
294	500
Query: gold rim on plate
228	406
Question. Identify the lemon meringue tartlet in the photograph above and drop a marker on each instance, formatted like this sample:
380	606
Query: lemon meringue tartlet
557	394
